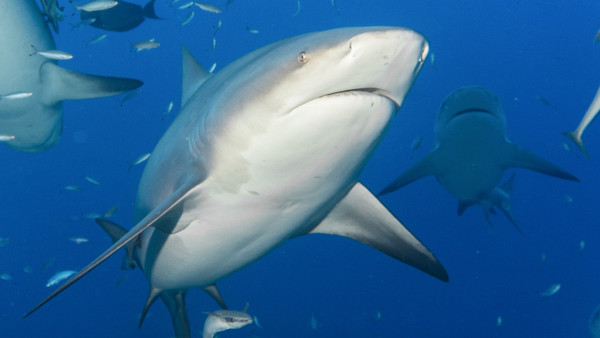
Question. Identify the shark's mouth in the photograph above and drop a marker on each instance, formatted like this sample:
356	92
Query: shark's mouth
471	110
367	90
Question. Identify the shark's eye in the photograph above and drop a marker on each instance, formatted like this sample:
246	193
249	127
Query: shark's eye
302	57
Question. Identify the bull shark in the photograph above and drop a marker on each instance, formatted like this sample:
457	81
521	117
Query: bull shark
268	149
36	121
472	150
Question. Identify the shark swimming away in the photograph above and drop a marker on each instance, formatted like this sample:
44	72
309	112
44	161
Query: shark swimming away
35	121
268	149
472	150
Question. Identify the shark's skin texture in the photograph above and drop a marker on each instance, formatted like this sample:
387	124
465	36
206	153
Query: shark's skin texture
36	121
472	150
268	149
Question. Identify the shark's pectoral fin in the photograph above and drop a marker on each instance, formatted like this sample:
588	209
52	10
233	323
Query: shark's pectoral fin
518	157
175	302
216	295
162	209
425	167
115	232
194	75
362	217
62	84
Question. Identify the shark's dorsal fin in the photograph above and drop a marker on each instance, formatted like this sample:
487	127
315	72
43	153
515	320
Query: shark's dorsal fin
194	75
169	203
518	157
115	232
428	165
62	84
152	296
216	295
362	217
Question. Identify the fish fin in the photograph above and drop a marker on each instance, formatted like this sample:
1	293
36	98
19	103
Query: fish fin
425	167
194	75
216	295
152	295
149	11
518	157
576	138
163	208
63	84
362	217
462	206
175	302
115	232
245	310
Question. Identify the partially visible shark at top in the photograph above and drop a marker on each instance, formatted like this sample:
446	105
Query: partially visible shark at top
268	149
34	121
472	150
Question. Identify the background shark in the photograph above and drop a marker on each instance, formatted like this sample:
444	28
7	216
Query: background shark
472	150
36	121
261	153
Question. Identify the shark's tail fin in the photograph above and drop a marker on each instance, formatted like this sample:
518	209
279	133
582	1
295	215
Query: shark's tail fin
576	138
149	10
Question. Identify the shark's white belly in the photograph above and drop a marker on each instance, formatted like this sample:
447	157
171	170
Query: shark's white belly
282	184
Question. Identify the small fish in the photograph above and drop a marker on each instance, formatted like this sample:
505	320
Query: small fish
79	240
543	257
92	215
597	38
169	109
545	102
16	96
214	43
48	263
111	211
27	269
550	291
313	323
188	19
6	276
4	241
72	187
568	198
566	147
186	5
222	320
145	45
97	5
4	138
432	60
252	30
96	39
139	160
213	67
297	9
256	322
92	180
84	22
581	245
208	7
416	143
59	277
499	321
51	54
377	316
131	95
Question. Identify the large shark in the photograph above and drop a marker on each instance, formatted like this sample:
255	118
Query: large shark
472	150
268	149
35	122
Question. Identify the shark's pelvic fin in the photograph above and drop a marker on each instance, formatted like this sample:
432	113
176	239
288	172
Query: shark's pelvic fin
362	217
216	295
194	75
175	302
62	84
115	232
152	296
518	157
163	208
428	165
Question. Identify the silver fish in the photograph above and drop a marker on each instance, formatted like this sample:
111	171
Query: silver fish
59	277
52	54
97	5
16	96
145	45
208	7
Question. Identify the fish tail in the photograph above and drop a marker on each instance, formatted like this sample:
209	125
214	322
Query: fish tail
576	138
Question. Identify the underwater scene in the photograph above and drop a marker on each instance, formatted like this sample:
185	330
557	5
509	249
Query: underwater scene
337	168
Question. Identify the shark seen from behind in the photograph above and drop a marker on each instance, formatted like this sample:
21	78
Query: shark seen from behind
472	150
268	149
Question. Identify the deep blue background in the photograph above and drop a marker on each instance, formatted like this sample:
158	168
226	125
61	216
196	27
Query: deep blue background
518	49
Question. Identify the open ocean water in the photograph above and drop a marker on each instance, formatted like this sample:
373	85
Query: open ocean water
520	50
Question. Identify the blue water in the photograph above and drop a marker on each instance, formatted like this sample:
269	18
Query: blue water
517	49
